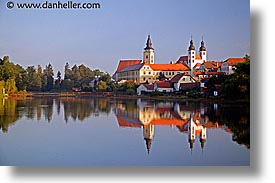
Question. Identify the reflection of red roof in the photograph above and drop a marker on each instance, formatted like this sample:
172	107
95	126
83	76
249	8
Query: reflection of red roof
169	67
163	109
234	61
163	121
125	123
210	124
124	63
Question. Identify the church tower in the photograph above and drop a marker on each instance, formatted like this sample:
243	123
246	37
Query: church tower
191	55
148	53
148	135
203	51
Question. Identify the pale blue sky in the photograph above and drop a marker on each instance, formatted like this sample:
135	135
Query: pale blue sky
99	38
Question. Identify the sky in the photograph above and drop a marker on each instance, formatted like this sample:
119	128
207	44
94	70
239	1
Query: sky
99	38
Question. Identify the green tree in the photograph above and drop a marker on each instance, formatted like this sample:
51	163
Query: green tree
47	78
10	85
237	85
102	86
58	80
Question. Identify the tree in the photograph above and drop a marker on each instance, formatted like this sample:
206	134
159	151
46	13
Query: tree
47	78
102	86
10	85
58	80
237	85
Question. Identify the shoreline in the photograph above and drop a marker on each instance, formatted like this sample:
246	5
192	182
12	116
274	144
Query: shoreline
110	95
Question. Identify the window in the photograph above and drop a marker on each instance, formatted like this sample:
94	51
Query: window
203	53
144	72
144	79
149	72
193	56
172	73
146	56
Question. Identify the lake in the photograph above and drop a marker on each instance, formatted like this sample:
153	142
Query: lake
110	132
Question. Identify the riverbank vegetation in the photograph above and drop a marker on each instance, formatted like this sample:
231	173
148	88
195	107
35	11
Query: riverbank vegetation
14	78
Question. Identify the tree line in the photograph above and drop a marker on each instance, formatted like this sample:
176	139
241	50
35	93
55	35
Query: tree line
234	86
13	77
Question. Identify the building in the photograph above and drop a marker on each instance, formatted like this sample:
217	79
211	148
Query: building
194	65
229	65
193	59
179	82
146	71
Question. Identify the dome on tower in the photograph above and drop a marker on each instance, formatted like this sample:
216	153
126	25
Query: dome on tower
202	48
148	43
191	47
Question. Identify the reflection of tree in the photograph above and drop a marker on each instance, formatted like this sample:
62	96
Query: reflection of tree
39	106
8	114
236	118
80	109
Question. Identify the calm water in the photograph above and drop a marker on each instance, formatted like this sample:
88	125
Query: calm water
107	132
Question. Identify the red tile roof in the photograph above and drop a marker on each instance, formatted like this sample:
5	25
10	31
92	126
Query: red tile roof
197	65
163	84
169	67
188	86
149	86
198	73
234	61
198	57
208	73
182	59
177	77
124	63
212	64
132	67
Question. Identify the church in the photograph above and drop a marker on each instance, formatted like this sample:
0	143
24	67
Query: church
147	71
193	66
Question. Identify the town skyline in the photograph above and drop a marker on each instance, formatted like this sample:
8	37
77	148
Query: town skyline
100	38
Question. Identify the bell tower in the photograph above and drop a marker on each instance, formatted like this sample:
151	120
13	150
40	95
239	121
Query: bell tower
203	51
148	53
191	55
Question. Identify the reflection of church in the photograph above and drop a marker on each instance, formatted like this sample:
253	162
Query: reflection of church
147	115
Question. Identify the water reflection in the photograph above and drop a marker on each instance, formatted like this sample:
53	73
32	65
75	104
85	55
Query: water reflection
191	118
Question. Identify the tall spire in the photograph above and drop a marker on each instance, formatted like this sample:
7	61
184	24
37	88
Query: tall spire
148	43
191	47
148	144
202	48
